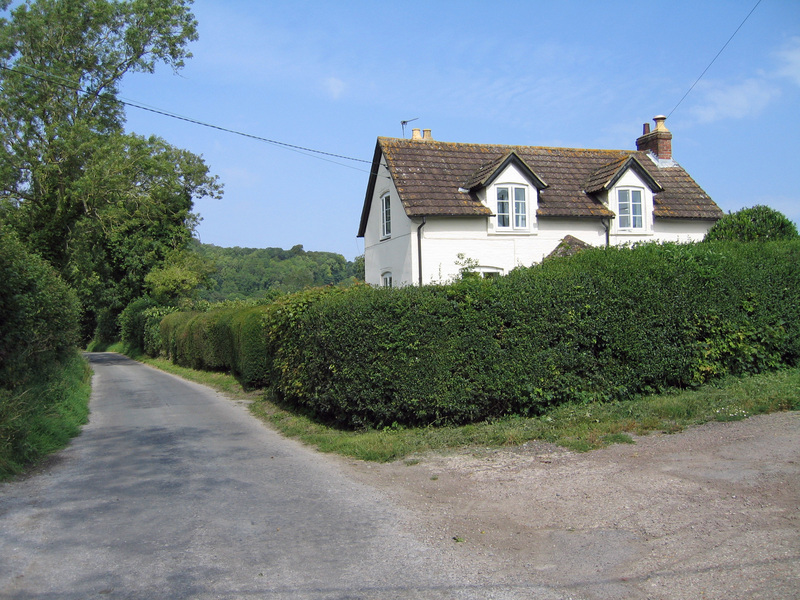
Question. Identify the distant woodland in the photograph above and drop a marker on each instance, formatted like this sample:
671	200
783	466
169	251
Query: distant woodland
243	273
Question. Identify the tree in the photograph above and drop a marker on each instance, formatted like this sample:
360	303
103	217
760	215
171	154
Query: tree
184	272
104	207
759	223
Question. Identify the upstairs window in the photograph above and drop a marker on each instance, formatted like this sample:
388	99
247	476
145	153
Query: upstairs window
631	209
386	216
386	280
512	208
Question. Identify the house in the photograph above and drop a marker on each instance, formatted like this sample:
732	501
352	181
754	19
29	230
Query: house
432	206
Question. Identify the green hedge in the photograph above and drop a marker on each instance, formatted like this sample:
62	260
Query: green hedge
44	382
605	324
230	339
39	313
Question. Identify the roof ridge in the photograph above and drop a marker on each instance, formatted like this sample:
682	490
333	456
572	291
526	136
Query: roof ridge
429	143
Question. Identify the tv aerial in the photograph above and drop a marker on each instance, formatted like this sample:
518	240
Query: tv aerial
404	123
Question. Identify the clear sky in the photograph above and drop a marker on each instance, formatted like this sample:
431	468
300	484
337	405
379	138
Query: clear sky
333	76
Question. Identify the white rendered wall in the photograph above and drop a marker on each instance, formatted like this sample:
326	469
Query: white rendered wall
444	238
392	254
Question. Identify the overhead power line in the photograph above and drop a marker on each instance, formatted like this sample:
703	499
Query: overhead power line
302	149
714	59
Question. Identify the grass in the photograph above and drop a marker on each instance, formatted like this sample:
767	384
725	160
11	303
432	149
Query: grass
40	418
579	427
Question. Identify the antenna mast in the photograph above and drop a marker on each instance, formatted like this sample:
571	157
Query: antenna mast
404	123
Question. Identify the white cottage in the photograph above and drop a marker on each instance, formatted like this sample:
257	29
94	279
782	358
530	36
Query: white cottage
432	206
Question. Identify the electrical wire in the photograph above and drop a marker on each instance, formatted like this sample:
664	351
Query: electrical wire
301	149
714	59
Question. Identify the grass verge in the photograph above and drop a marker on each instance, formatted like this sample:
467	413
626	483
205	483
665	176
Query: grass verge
38	419
579	427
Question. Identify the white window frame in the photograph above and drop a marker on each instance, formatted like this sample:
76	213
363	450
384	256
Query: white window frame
518	213
386	279
626	217
386	215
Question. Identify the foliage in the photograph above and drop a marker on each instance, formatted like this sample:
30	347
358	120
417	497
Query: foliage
467	266
181	276
607	324
40	417
103	207
262	272
759	223
43	382
38	313
604	325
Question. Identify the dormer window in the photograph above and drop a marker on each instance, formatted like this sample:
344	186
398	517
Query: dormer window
512	207
386	216
631	209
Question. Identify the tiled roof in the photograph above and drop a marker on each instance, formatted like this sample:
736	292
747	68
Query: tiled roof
432	179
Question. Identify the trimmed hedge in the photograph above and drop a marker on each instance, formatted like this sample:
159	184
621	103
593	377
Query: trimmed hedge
231	339
605	324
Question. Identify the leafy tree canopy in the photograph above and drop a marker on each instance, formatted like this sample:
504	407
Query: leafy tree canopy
181	276
257	272
103	206
759	223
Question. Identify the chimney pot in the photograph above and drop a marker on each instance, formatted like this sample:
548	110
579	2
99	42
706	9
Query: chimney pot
415	134
426	134
645	128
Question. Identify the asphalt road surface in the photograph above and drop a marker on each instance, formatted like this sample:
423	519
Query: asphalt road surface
174	491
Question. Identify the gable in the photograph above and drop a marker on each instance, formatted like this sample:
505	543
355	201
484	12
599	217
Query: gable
608	175
487	174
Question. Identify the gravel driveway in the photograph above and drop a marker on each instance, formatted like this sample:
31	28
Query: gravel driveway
712	512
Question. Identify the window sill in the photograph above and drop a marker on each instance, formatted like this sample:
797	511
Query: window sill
513	232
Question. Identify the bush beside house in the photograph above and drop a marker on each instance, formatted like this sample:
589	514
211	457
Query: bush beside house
605	324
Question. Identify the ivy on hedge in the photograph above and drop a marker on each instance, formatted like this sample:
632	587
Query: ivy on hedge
604	324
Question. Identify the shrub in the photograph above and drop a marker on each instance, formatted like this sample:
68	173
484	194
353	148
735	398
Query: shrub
43	381
759	223
605	324
39	313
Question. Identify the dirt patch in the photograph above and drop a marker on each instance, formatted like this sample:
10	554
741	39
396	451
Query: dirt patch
713	512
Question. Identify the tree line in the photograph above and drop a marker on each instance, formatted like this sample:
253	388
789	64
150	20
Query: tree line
244	273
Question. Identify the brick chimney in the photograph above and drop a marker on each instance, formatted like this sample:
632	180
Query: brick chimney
659	142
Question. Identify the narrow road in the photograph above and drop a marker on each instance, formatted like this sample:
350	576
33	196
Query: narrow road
173	491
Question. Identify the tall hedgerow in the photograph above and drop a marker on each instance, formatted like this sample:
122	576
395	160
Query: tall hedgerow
44	387
39	313
606	324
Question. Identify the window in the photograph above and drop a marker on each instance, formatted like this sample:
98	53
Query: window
631	213
386	216
386	280
509	212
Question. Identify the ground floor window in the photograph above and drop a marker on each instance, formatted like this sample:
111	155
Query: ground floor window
386	280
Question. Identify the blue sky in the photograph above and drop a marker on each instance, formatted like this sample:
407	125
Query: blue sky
332	76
